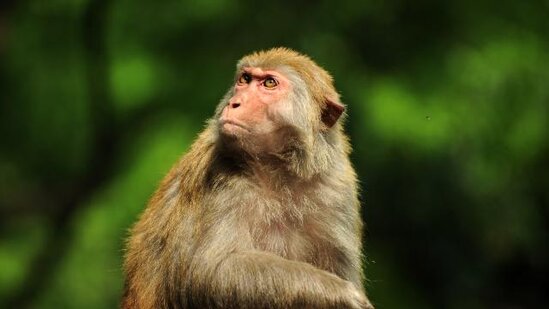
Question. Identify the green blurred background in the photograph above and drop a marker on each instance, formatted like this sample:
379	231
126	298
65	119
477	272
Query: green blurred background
448	114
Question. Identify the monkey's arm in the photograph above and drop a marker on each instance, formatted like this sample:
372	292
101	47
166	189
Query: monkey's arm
255	279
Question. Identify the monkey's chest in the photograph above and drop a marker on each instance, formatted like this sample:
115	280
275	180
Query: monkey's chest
282	228
285	241
284	222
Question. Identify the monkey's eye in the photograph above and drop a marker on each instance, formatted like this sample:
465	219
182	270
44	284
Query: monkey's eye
270	83
245	78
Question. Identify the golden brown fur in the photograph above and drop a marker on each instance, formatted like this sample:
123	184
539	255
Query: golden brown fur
227	229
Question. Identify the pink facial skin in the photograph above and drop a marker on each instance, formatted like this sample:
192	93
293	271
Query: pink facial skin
255	93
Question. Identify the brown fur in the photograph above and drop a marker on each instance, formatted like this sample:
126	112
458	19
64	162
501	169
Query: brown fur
228	230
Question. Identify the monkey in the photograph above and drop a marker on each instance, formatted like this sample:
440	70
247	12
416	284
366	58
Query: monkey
263	210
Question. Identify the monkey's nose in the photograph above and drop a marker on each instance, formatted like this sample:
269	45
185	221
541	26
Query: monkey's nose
234	104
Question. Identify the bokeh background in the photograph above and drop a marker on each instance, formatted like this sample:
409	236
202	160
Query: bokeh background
448	114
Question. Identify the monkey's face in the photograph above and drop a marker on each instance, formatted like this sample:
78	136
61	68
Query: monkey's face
253	116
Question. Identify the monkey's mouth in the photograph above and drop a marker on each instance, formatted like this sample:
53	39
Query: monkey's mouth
231	127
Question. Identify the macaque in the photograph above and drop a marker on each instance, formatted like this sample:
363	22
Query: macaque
263	211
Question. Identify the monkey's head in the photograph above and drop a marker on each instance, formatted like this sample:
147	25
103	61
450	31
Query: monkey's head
280	99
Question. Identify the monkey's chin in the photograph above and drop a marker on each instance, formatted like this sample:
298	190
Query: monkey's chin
233	128
231	134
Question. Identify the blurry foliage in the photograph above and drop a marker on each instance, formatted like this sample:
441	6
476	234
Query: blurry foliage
448	114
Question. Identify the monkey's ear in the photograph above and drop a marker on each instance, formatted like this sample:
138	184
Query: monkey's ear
331	112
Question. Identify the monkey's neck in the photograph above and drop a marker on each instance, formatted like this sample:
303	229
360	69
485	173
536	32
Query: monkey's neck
299	162
273	171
